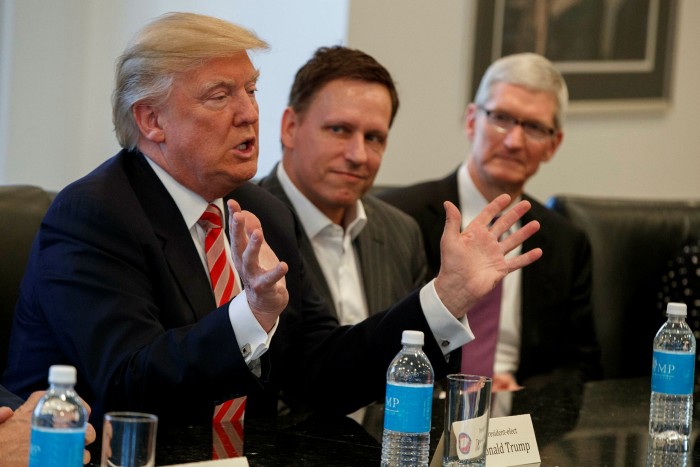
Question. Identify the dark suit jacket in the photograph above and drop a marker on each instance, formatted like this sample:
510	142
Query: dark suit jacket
8	399
557	320
115	287
390	248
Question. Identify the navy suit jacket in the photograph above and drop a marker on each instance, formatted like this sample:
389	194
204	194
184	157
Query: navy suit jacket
390	249
558	335
8	399
115	286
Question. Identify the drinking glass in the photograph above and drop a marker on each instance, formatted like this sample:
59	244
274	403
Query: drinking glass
466	420
129	439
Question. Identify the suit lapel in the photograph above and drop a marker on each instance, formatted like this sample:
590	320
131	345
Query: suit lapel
176	240
370	246
537	280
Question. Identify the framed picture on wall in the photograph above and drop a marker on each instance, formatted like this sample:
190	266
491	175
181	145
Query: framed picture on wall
614	54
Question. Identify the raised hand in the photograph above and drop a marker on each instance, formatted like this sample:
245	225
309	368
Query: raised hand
261	272
473	260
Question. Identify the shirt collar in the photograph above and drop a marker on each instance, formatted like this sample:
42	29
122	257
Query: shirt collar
312	219
190	204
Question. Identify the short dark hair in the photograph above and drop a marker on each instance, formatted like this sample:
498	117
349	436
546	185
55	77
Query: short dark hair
338	62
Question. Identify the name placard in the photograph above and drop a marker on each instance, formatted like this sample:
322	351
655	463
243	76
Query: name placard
511	442
234	462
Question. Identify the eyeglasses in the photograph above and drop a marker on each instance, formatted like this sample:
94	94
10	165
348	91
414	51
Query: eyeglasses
503	123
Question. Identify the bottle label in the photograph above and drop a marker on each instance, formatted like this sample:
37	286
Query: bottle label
672	372
56	446
408	407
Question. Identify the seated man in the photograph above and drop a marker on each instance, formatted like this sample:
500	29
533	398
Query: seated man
363	254
543	319
130	276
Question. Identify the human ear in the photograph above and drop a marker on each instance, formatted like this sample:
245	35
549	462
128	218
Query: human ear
288	127
146	117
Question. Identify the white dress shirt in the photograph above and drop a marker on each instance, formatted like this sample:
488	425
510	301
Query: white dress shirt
252	338
332	245
471	203
447	330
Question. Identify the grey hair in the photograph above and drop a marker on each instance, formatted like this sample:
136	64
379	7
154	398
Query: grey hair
529	70
171	44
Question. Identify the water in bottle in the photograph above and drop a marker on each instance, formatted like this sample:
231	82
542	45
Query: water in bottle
673	368
58	423
408	405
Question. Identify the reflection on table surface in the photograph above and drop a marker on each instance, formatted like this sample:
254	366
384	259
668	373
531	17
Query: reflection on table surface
603	423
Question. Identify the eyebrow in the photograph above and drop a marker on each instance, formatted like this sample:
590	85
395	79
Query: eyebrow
228	84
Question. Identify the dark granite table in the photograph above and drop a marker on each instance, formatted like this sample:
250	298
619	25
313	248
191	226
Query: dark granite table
603	423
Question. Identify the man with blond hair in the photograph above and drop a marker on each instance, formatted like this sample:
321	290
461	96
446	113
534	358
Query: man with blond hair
132	280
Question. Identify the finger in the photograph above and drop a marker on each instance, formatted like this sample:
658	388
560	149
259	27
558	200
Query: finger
274	275
90	434
453	219
251	254
492	209
234	227
239	238
251	222
509	218
233	206
5	413
87	406
523	260
519	236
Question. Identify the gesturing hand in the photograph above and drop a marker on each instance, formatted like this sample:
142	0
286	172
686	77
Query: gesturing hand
473	260
261	272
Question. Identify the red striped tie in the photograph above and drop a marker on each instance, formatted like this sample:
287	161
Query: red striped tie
227	423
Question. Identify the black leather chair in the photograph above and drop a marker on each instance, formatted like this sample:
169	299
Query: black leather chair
634	244
22	208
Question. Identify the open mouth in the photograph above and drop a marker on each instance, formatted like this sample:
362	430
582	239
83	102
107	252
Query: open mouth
246	144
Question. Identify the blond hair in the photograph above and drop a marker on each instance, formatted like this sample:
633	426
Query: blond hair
173	43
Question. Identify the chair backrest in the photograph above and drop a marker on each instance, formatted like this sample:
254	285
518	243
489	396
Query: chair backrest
22	208
633	242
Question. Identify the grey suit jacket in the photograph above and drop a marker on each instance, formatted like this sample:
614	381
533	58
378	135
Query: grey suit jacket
390	248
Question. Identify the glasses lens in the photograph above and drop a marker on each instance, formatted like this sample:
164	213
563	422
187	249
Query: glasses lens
535	131
504	123
500	120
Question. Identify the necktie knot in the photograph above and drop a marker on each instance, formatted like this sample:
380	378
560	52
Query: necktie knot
220	270
210	218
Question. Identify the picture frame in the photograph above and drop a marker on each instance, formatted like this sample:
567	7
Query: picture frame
613	54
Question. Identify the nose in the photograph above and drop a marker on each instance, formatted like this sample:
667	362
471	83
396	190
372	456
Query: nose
245	110
356	150
515	137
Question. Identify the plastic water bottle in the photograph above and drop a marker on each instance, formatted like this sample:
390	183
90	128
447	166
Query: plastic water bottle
673	368
408	405
58	423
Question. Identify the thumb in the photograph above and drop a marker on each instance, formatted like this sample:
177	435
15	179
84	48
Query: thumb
453	219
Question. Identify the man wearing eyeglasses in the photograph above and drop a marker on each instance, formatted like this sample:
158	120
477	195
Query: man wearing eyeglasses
544	327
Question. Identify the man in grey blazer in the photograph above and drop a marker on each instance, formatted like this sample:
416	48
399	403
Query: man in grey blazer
363	254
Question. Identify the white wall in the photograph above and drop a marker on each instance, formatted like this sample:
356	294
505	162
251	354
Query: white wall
427	46
57	74
57	64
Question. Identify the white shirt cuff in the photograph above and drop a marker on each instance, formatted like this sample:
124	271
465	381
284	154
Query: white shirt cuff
251	337
449	332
